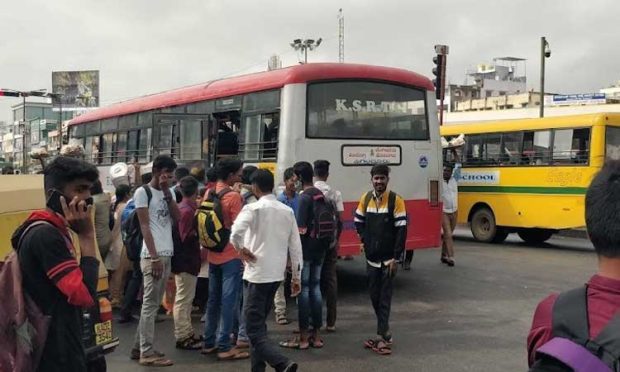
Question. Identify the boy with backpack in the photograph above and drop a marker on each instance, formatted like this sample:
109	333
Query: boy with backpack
52	279
579	330
217	212
329	274
157	211
381	222
316	219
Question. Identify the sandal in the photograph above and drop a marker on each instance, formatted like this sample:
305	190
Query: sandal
208	350
373	342
281	319
242	345
155	361
190	343
316	343
235	354
295	343
135	354
382	348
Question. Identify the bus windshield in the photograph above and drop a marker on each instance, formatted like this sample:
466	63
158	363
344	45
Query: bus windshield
366	110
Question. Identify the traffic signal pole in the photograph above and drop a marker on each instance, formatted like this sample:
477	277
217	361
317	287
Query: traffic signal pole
440	72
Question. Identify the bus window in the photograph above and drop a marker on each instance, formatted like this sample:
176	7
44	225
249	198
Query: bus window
612	143
106	150
472	154
491	149
571	146
144	145
511	148
366	110
132	143
536	148
259	137
121	146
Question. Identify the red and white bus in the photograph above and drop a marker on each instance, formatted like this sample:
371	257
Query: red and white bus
352	115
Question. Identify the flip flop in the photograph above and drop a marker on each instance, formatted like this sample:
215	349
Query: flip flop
236	355
155	361
382	348
294	344
316	343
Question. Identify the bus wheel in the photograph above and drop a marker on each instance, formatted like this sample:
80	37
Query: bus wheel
484	229
535	236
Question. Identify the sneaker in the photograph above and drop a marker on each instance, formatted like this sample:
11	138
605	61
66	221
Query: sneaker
135	354
292	367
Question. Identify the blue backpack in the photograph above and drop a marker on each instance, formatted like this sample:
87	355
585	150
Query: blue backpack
571	348
131	233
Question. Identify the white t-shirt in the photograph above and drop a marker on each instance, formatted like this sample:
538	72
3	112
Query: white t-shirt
334	195
160	221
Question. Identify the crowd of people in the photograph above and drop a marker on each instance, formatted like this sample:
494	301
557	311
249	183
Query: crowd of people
266	236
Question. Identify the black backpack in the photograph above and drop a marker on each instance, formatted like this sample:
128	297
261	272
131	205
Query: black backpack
131	233
324	217
571	348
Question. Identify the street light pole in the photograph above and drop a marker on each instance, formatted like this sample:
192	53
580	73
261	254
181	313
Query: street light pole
545	52
24	149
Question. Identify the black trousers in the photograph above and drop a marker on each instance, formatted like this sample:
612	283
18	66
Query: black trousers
329	285
380	289
256	308
131	292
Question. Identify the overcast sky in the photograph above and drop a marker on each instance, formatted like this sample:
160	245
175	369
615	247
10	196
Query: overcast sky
146	46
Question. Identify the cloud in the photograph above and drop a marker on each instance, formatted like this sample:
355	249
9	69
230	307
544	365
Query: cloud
145	46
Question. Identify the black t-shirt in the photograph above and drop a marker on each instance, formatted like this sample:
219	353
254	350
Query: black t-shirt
313	249
43	254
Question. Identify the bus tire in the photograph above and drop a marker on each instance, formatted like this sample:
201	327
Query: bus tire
484	229
535	236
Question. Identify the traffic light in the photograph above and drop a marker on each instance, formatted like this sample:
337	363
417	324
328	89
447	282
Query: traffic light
439	71
8	93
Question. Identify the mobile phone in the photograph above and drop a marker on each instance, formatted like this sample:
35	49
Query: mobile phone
53	202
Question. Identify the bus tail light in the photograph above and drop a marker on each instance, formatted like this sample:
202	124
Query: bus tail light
434	193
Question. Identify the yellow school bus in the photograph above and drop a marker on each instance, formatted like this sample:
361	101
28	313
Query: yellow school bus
530	176
21	195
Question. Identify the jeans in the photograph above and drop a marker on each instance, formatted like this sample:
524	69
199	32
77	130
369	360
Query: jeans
257	305
133	287
182	311
310	302
329	285
380	289
153	295
239	328
224	287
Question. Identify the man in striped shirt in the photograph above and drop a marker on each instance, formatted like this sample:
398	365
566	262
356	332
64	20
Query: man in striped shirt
381	222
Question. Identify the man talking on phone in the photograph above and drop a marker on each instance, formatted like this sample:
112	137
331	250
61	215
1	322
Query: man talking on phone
381	222
157	211
59	284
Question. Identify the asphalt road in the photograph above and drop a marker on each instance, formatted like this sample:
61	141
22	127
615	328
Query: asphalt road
473	317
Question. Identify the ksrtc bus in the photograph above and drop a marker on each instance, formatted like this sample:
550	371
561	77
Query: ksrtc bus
352	115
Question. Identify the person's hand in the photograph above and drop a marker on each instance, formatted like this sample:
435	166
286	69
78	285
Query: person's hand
393	268
295	287
237	187
157	268
247	256
78	216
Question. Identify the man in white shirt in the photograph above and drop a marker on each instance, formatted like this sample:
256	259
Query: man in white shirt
329	275
272	235
451	175
157	211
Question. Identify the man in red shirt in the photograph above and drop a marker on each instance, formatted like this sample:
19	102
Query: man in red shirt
603	289
225	269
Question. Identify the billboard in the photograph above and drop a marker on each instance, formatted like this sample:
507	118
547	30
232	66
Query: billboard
80	89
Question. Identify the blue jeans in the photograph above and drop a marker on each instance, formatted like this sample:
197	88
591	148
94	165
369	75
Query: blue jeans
310	302
224	287
239	328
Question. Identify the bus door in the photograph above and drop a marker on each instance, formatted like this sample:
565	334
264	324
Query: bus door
226	126
180	136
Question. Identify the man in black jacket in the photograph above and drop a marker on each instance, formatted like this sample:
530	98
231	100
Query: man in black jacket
381	222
